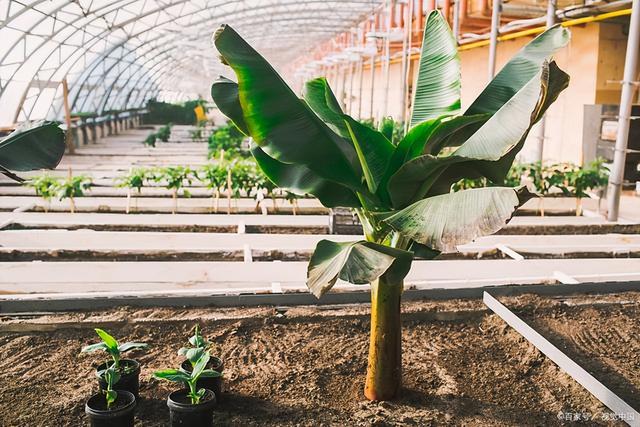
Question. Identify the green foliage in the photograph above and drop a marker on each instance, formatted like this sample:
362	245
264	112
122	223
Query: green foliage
395	181
229	139
567	179
164	133
198	346
74	186
175	177
391	129
45	186
111	377
150	141
32	146
111	346
164	112
214	175
190	378
136	178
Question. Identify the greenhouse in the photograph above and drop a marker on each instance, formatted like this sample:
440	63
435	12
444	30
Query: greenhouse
310	213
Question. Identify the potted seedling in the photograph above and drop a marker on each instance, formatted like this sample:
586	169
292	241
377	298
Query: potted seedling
198	346
174	178
128	369
73	187
192	406
134	179
45	186
111	408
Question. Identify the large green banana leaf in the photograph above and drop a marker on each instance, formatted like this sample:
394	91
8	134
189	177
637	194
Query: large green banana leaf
437	90
225	94
355	262
32	146
301	180
296	178
519	70
281	123
323	102
443	222
373	149
487	152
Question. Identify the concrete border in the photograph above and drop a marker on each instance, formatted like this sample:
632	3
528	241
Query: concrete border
53	302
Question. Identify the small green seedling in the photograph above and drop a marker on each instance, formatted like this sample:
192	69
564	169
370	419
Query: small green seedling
164	133
199	346
111	376
191	379
111	346
175	178
150	141
45	186
136	178
72	187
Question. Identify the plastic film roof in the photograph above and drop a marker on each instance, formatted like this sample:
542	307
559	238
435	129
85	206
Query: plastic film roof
117	54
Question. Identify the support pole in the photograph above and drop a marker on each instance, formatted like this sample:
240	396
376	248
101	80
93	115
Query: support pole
67	117
628	85
373	80
493	41
456	19
406	58
542	125
387	59
360	76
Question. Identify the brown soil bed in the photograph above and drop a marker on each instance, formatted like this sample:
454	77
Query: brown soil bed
305	365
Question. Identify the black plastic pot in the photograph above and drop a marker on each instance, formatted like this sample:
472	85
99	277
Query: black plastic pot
183	413
129	376
213	384
121	414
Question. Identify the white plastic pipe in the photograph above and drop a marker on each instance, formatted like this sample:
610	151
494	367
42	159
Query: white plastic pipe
624	117
493	45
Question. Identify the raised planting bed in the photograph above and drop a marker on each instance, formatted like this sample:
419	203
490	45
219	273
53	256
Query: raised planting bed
304	366
162	205
90	245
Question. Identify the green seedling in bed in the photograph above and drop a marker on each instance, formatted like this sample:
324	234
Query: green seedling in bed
164	133
214	175
150	141
113	348
399	190
590	177
45	186
72	187
111	376
190	379
136	178
175	178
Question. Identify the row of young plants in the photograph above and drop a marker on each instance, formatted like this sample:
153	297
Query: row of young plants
233	179
550	180
199	378
163	134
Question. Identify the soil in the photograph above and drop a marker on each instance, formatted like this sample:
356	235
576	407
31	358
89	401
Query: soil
304	366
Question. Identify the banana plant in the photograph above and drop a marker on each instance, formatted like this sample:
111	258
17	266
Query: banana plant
32	146
401	192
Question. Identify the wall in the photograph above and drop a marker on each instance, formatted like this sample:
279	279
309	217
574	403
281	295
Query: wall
588	71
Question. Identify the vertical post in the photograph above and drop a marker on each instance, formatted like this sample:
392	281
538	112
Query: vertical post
406	20
360	75
67	116
387	57
456	19
350	95
493	44
373	79
628	85
542	125
407	75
